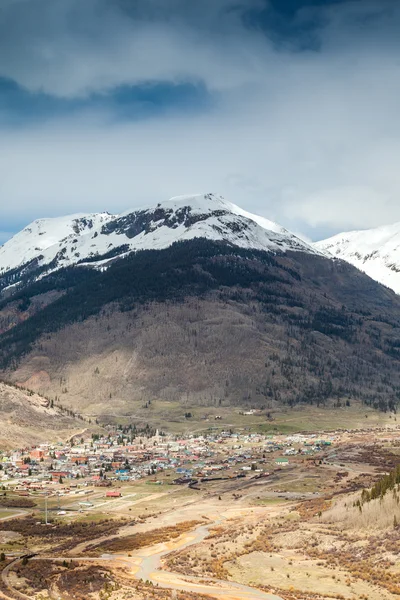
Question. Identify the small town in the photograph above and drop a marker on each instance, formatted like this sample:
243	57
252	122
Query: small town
80	468
126	455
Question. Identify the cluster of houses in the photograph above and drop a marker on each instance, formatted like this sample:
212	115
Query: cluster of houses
116	457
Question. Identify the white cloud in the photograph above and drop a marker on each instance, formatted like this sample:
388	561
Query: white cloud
344	207
308	139
72	48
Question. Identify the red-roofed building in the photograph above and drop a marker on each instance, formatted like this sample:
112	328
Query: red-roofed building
113	494
37	454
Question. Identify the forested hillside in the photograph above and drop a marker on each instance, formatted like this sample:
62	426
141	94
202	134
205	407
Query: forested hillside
206	323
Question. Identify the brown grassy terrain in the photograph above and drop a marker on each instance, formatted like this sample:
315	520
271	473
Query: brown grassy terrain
142	540
29	417
322	548
14	502
59	537
85	582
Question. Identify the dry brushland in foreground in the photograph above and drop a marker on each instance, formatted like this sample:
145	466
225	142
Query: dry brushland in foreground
325	526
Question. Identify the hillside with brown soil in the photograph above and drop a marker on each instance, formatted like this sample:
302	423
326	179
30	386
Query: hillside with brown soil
27	419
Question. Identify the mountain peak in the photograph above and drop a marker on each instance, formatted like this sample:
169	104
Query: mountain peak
50	244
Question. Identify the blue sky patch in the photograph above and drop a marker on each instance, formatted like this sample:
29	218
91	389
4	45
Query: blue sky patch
19	106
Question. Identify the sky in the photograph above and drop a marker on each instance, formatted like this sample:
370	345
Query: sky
288	108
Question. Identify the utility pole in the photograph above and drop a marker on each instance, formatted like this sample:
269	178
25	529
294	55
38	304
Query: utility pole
45	508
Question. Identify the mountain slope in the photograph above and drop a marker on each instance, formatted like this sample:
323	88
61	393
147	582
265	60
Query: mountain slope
374	251
200	303
43	240
50	244
207	323
29	419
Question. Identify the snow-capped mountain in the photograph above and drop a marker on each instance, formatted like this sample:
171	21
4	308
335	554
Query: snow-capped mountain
374	251
50	244
44	236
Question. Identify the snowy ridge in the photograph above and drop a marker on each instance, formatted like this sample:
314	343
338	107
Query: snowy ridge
51	244
44	236
376	252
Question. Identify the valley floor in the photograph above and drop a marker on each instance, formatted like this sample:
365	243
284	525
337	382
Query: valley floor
294	532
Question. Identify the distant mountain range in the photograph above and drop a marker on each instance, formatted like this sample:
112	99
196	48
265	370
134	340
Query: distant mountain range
376	252
192	302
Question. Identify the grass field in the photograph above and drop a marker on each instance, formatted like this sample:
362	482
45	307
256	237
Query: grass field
170	417
9	512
